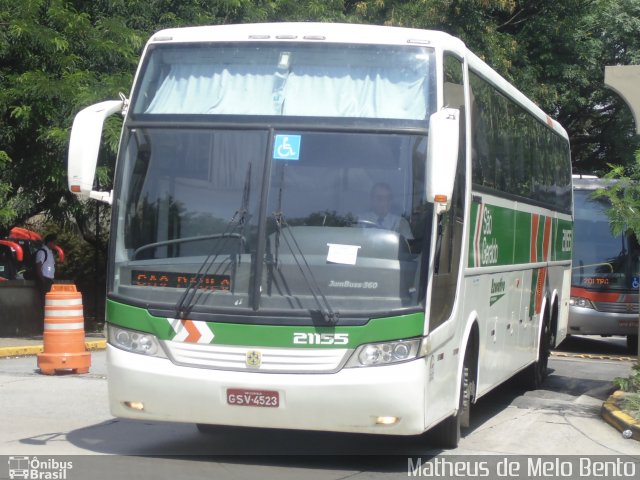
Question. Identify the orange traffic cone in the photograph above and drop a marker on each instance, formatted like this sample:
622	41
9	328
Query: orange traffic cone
64	347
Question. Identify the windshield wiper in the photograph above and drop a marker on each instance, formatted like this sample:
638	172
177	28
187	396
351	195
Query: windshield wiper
240	219
328	314
198	238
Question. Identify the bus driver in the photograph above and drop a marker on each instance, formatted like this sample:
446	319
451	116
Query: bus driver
380	215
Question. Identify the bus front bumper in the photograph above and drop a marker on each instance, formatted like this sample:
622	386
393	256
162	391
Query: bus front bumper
587	321
362	400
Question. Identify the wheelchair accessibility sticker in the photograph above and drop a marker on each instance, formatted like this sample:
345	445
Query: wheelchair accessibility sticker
286	147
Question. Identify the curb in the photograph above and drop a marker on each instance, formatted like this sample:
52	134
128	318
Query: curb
35	349
591	356
617	418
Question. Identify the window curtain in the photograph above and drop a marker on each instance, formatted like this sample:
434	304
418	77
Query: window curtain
373	92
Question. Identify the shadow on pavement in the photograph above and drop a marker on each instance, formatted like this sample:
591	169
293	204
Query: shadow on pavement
122	436
595	345
253	446
133	437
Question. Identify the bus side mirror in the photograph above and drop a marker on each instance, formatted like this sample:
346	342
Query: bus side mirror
84	146
442	157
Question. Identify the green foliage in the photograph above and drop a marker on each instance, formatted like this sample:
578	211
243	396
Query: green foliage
6	212
555	52
631	404
630	383
624	197
58	56
54	60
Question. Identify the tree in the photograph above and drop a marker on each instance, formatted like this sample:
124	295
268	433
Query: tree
53	60
624	197
554	52
58	56
6	212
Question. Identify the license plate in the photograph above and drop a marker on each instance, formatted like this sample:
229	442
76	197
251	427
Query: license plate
627	323
253	398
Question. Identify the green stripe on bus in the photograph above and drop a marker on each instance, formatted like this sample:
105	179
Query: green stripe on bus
522	238
503	236
376	330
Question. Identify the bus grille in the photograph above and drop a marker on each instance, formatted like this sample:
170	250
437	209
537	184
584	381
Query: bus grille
616	307
272	360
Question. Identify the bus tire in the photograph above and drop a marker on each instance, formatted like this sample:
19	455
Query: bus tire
632	344
447	433
535	374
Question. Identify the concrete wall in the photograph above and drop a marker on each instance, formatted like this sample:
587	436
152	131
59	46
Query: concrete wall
625	81
21	309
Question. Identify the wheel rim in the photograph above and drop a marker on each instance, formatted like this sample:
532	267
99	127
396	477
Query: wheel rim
465	397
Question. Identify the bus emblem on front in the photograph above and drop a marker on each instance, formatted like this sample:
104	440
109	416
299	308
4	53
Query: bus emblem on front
253	359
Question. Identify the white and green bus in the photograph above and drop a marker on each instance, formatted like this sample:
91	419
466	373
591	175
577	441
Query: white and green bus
329	227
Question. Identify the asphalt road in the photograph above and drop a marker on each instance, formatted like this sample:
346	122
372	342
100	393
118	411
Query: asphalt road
68	415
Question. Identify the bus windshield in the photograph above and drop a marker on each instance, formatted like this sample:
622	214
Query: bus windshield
601	260
331	218
287	79
272	220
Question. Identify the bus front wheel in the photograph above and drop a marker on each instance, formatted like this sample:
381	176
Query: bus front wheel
632	344
447	433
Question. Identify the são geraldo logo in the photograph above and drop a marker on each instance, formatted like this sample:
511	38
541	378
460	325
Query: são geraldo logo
489	246
38	469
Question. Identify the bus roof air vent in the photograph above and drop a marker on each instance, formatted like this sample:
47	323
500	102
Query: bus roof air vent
419	41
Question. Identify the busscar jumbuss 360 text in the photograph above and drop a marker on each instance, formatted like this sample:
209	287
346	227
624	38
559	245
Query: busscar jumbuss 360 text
327	227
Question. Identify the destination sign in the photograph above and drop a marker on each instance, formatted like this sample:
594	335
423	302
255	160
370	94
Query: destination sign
595	281
145	278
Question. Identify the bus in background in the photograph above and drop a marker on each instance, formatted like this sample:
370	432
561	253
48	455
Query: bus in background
349	228
605	273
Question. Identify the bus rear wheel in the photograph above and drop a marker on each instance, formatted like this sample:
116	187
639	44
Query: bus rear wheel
536	373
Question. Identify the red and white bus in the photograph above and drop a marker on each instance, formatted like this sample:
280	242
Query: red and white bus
605	274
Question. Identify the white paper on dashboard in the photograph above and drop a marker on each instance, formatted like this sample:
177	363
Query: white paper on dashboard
345	254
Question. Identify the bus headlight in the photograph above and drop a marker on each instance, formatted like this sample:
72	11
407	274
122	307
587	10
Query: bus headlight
580	302
133	341
385	353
